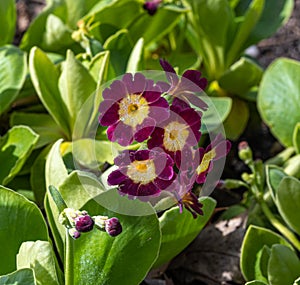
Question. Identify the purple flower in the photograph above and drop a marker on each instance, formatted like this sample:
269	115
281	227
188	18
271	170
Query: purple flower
182	190
179	132
218	148
186	86
84	223
142	173
131	108
113	227
151	6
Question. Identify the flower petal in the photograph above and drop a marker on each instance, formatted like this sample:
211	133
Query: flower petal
115	92
144	130
195	77
108	112
170	72
120	133
116	177
134	83
159	110
148	190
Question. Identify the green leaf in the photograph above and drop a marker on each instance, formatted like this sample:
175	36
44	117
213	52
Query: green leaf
281	157
261	264
217	112
255	282
250	19
274	175
76	85
131	253
275	14
20	277
292	166
284	265
288	201
237	120
15	148
21	221
37	176
297	282
241	76
8	17
180	229
40	257
13	69
40	67
135	61
255	239
296	138
42	124
280	88
98	67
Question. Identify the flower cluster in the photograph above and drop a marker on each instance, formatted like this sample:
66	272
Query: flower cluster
165	118
78	222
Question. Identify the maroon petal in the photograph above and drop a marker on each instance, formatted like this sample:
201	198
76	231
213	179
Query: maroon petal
148	190
134	83
141	155
167	173
159	110
200	179
151	96
109	113
144	130
170	72
129	187
163	86
115	92
116	177
195	100
179	105
156	138
163	184
195	77
120	133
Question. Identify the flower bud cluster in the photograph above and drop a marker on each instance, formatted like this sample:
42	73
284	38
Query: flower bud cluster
78	222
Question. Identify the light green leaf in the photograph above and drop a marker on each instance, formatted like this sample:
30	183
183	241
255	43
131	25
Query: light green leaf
180	229
296	138
274	176
217	112
241	76
292	166
40	67
76	85
280	88
8	17
22	221
40	257
255	282
98	67
284	265
13	69
20	277
288	201
237	120
15	148
42	124
261	264
255	239
135	61
136	247
250	19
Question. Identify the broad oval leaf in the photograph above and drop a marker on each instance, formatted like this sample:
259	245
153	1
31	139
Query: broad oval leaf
125	259
288	201
255	239
13	69
21	221
15	148
180	229
20	277
284	265
280	88
39	256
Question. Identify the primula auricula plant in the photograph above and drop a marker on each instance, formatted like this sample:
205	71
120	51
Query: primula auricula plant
165	119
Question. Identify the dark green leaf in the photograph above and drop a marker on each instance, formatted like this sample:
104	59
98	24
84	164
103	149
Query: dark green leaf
284	265
274	175
8	17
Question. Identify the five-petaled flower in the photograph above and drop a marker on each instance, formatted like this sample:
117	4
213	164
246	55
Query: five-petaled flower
217	149
142	173
180	131
187	86
131	108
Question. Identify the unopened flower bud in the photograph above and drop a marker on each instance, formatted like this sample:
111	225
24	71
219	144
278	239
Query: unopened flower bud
113	227
74	233
84	223
151	6
100	221
248	178
245	152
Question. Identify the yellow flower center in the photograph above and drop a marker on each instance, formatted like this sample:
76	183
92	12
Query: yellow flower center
207	158
133	110
175	136
142	172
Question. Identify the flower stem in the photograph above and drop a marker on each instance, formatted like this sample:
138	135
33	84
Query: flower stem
69	258
279	226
